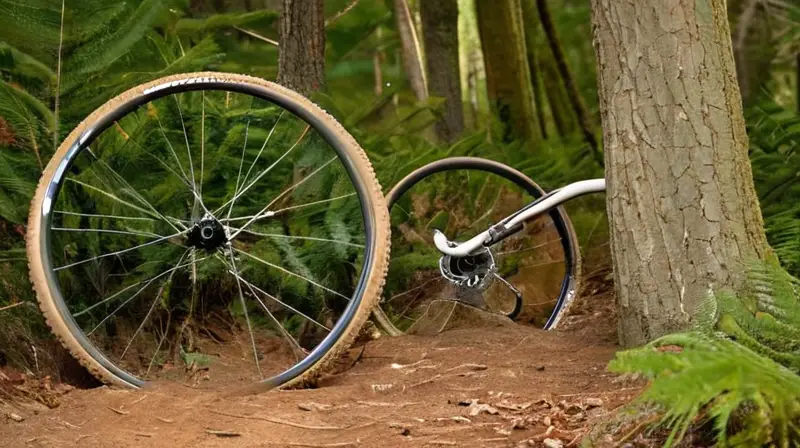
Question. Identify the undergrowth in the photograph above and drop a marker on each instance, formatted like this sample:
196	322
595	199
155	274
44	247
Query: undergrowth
736	374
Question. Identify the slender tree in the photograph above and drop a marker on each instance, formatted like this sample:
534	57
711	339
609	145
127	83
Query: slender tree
301	63
412	53
575	98
529	19
507	77
681	201
440	31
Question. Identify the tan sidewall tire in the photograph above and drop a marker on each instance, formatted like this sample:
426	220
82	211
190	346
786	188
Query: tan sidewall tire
375	279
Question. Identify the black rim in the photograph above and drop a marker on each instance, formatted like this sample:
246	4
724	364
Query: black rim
558	215
196	84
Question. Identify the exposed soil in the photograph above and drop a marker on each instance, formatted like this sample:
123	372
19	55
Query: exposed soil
498	385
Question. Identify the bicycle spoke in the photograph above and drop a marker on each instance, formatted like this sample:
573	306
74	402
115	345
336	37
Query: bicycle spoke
246	316
122	305
122	232
264	173
186	138
270	214
111	297
112	196
292	341
305	238
266	141
426	283
90	215
285	305
544	263
526	249
291	273
132	191
202	141
285	192
152	307
164	238
241	162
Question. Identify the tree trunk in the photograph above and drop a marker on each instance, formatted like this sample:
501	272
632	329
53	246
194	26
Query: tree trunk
412	54
301	64
556	96
575	99
529	22
507	77
681	201
440	31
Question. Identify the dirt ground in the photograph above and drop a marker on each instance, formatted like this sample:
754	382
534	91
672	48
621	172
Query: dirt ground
497	386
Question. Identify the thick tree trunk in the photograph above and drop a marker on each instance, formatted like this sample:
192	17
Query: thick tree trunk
301	64
681	202
575	99
440	31
507	77
529	20
412	54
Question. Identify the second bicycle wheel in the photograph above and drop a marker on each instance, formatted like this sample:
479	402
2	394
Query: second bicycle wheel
463	196
210	228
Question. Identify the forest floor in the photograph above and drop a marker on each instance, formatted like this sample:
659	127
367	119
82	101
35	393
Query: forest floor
506	385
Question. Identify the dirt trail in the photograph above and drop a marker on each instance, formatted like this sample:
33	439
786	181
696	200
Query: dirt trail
409	391
496	386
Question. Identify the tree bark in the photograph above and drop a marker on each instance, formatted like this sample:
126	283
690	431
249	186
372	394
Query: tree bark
529	22
575	99
507	77
681	202
440	31
301	63
412	54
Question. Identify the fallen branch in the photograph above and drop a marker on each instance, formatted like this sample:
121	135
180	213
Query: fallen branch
217	433
143	434
315	445
119	411
165	420
13	305
470	366
387	404
277	421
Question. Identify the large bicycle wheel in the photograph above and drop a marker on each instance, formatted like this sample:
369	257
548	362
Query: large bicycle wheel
208	228
530	277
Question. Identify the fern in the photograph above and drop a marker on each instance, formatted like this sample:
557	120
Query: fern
741	376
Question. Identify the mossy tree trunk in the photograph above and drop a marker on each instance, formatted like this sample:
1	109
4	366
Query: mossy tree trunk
681	202
301	63
507	77
440	31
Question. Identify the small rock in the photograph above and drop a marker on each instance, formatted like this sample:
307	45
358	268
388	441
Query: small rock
540	368
460	419
16	417
547	421
592	402
503	432
382	388
553	443
479	408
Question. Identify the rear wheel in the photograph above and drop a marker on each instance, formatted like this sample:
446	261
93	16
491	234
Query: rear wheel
536	268
208	228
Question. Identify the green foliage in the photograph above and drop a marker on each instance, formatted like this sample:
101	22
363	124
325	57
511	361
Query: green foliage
741	375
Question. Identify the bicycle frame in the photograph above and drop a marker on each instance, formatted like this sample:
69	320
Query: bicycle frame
513	223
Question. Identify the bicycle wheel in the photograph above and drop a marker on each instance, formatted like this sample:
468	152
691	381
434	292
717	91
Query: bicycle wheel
210	228
463	196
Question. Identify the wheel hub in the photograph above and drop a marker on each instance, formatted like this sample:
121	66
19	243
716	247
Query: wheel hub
473	271
208	234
